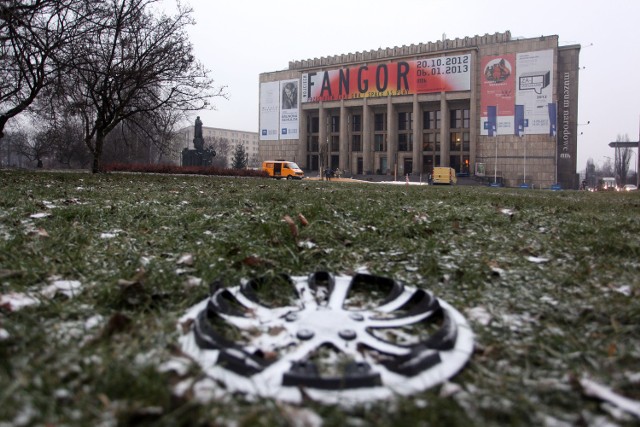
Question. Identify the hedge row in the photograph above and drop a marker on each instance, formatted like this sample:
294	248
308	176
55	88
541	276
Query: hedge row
173	169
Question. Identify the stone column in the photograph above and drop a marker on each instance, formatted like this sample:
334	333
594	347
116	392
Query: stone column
323	145
474	118
392	138
417	136
367	138
343	162
303	142
444	130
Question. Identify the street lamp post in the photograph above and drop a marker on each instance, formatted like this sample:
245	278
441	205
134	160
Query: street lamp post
524	176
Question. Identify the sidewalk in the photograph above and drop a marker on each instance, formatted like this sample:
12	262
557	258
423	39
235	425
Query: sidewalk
414	180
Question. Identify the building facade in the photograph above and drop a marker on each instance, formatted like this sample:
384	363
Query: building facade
218	137
493	107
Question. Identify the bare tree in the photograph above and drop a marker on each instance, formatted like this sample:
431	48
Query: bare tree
622	159
35	147
222	147
133	63
160	129
32	36
10	147
64	130
590	174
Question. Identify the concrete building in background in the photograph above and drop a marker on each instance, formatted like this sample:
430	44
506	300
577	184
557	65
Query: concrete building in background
214	136
494	107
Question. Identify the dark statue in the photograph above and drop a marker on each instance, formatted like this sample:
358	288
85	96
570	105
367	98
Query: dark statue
198	140
200	156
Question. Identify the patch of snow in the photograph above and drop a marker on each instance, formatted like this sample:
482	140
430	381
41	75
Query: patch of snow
110	234
40	215
185	259
178	365
68	288
301	417
479	314
306	244
93	321
17	301
548	300
537	260
624	290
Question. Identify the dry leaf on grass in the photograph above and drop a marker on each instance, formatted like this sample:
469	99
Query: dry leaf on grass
292	225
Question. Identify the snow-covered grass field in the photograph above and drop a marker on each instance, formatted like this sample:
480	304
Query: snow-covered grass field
96	270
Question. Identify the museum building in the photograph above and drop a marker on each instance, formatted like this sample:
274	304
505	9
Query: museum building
495	107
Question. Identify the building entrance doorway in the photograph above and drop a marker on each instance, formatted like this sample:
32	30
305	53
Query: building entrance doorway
408	166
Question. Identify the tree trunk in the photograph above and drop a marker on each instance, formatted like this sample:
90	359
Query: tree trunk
97	154
3	121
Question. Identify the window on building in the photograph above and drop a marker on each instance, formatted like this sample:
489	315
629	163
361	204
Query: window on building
431	120
428	141
455	141
454	119
356	143
379	122
335	124
460	118
314	124
379	142
335	143
466	118
405	142
313	144
404	121
466	141
356	123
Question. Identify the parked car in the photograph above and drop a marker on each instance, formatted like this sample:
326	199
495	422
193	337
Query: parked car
629	187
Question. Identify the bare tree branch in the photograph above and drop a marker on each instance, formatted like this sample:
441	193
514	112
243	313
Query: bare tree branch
32	35
133	64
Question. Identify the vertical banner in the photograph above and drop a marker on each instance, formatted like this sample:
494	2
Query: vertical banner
534	89
289	103
269	111
497	89
519	121
553	119
491	121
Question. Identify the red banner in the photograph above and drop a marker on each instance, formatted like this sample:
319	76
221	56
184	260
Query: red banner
498	90
441	74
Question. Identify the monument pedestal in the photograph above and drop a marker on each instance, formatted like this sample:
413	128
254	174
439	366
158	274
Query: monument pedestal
197	157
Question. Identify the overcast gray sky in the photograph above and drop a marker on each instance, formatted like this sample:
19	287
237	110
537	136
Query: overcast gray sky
239	39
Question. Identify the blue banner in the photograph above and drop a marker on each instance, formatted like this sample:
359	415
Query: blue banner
492	120
519	122
553	118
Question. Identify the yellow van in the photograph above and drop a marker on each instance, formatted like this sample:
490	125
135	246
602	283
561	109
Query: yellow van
444	175
282	169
